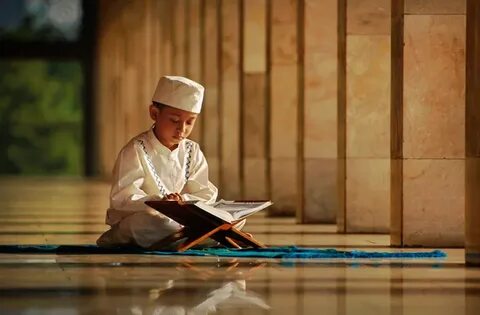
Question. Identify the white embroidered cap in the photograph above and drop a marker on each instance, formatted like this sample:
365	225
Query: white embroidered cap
179	92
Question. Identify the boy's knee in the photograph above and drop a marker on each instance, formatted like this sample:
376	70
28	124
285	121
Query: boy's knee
148	227
147	221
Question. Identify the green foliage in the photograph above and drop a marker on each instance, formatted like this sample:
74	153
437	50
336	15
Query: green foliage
41	118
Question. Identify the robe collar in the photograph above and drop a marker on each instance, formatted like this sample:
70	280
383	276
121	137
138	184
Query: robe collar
159	148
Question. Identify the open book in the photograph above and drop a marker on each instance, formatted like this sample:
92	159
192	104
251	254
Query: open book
227	211
232	211
216	221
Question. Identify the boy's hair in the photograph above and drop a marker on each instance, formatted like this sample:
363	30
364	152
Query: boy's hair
158	105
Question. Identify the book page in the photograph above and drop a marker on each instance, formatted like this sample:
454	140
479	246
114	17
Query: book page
241	209
219	213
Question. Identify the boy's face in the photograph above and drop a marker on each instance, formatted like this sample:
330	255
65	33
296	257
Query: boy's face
172	125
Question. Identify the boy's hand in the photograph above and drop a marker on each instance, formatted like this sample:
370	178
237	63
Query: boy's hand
173	197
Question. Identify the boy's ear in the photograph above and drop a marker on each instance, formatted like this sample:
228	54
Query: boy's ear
153	112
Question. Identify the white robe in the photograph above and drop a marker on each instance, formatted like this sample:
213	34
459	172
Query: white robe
134	182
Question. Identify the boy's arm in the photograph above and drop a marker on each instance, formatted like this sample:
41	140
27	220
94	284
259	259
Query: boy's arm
128	178
198	187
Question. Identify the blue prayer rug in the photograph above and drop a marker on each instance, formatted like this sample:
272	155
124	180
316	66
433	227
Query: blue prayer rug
283	252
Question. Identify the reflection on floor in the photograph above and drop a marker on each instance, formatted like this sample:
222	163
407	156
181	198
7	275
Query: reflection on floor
39	211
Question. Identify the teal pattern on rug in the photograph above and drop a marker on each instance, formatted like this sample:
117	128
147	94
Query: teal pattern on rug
283	252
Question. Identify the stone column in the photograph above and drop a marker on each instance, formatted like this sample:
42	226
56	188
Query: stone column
211	138
318	172
367	117
284	92
472	143
230	99
193	57
254	100
428	123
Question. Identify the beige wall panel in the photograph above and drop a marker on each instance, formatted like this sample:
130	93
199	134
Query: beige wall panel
472	172
254	136
472	215
254	28
211	112
131	110
255	178
472	122
230	136
147	64
396	126
118	130
434	88
283	11
368	195
193	40
254	116
101	97
368	96
283	109
284	32
321	190
283	189
370	17
230	100
193	64
210	42
214	171
396	202
473	202
320	109
153	39
166	28
128	75
434	202
254	97
179	37
427	7
341	113
211	123
105	96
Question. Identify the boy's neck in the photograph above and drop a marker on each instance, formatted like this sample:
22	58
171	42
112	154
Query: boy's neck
170	147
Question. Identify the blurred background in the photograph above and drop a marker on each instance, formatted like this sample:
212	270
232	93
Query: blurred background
349	112
44	68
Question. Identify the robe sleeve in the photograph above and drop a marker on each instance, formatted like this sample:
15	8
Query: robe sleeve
198	187
128	178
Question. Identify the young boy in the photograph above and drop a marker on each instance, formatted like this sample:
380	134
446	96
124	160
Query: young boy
160	163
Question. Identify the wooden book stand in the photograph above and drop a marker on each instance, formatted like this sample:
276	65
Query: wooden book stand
199	225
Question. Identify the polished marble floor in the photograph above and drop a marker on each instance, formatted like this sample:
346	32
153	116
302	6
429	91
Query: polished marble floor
59	211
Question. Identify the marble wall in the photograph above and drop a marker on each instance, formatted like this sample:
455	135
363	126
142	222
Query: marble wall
210	77
321	106
319	113
367	79
255	111
230	113
472	143
284	101
243	51
432	172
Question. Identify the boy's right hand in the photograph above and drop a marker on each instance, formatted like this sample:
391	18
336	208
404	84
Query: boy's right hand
173	197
